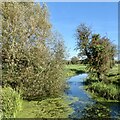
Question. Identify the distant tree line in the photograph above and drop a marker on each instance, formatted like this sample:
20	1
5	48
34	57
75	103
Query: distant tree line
117	61
76	60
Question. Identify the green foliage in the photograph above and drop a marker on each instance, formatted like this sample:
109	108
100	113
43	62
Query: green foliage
96	111
32	56
54	108
11	102
48	108
108	91
99	51
72	70
47	77
74	60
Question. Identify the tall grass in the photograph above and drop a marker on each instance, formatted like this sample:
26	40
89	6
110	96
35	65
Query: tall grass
108	91
11	102
109	88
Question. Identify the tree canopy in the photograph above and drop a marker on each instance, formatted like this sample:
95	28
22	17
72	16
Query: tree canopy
31	61
99	50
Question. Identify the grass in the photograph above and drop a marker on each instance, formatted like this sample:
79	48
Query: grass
114	70
108	89
28	110
97	97
48	108
72	70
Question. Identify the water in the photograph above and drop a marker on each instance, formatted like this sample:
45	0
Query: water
86	107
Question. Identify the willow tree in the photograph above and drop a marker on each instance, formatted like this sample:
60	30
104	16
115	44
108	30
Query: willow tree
99	50
26	57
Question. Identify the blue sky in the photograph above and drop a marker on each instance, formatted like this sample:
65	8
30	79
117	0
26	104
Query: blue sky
101	16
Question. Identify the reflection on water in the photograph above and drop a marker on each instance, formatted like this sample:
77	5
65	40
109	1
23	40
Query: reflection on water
86	107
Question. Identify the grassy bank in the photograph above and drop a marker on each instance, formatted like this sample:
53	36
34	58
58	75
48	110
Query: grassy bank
72	70
48	108
108	89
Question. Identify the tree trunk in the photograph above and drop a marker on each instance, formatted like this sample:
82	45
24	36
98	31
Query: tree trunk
98	76
87	53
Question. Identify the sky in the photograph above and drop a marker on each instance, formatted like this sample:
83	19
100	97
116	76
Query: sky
101	16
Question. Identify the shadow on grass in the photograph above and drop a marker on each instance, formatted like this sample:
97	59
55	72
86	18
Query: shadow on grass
117	82
89	81
112	75
78	71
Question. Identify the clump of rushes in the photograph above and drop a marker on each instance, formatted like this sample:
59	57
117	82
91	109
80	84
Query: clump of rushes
11	102
108	91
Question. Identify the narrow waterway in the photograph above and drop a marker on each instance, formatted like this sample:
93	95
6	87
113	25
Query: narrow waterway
85	106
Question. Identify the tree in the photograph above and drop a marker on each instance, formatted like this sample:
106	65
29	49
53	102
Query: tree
29	63
74	60
99	50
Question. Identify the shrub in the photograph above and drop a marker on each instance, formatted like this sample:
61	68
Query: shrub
74	60
11	102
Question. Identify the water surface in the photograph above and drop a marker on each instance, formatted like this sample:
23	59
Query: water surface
86	106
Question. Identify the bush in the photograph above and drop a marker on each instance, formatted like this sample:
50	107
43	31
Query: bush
11	102
74	60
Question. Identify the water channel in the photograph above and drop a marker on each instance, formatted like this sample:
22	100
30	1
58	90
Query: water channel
85	106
